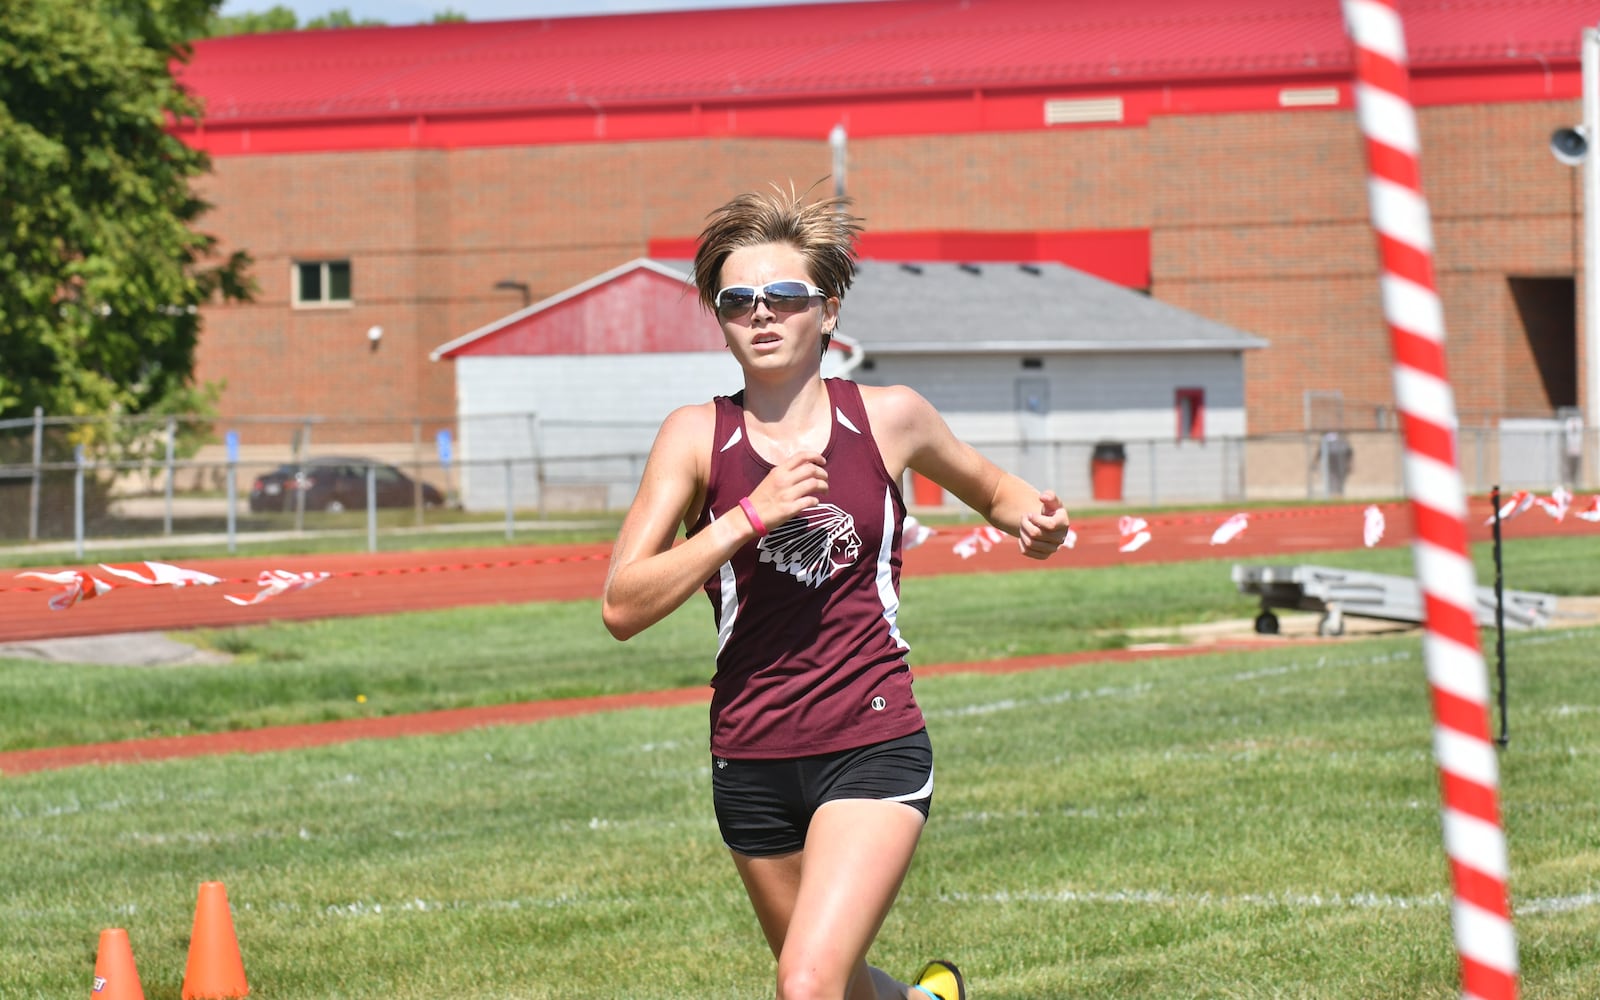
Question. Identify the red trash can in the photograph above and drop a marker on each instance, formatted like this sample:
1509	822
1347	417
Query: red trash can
925	492
1105	470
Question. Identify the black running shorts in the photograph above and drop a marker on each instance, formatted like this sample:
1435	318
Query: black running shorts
764	807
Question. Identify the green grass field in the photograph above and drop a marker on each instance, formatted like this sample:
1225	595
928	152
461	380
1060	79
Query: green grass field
1234	825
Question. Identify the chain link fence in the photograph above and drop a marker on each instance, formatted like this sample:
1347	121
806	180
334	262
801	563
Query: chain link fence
70	479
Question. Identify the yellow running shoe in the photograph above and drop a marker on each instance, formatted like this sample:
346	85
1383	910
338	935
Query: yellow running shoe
942	981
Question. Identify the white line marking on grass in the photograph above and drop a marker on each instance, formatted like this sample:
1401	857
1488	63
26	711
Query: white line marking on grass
662	746
1260	900
1557	904
1323	663
1064	812
373	908
1584	635
1561	711
1126	812
74	805
1254	900
1145	688
378	908
1540	906
1061	697
597	823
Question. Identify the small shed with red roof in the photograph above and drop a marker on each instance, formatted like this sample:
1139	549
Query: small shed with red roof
560	400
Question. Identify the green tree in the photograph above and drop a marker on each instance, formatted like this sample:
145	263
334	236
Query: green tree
281	18
342	18
278	18
104	269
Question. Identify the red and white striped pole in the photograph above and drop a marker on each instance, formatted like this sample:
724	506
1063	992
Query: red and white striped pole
1468	770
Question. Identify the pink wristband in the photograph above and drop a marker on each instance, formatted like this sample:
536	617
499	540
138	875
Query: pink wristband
755	519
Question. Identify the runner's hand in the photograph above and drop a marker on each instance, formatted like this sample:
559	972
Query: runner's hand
795	484
1044	533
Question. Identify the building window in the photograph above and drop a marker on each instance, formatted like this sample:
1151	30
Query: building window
1191	410
322	283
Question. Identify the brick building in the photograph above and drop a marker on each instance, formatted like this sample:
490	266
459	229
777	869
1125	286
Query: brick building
428	180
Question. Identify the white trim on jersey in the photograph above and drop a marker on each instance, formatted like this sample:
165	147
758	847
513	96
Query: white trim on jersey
730	605
886	592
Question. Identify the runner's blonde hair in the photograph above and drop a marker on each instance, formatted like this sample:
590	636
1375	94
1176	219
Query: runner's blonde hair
824	233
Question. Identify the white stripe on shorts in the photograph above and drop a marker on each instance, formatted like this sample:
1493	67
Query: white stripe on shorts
926	791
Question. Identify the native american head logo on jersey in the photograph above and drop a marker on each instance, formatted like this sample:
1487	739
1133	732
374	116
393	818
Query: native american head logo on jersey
813	545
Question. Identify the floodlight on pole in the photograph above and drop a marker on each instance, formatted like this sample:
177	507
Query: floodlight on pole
837	137
1570	145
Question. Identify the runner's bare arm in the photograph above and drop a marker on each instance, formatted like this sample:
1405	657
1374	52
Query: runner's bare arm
649	576
913	435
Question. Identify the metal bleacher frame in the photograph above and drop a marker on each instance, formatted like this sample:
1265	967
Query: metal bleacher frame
1340	592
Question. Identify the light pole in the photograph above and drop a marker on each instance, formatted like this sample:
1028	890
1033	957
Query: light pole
1591	240
837	138
1575	147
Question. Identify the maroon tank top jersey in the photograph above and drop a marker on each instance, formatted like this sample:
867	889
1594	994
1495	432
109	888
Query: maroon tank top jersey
809	659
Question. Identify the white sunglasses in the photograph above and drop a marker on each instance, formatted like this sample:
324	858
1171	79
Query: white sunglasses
780	296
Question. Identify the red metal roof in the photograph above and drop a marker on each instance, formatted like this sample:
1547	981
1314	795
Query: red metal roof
640	307
832	50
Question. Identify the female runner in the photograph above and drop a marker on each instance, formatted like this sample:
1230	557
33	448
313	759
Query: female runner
822	772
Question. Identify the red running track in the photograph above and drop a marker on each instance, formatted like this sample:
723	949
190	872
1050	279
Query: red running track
387	583
374	584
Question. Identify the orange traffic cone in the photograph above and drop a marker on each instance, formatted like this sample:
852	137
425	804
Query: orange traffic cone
115	978
215	970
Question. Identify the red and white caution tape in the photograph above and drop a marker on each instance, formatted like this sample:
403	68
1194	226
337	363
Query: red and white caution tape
1469	771
1230	529
1590	513
1518	503
76	586
274	582
164	575
1556	504
978	540
79	585
1135	532
1372	526
913	533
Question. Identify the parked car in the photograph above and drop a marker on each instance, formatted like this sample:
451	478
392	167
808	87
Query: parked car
335	484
